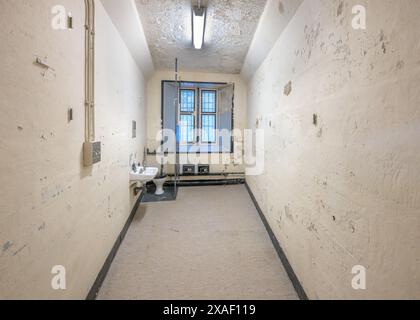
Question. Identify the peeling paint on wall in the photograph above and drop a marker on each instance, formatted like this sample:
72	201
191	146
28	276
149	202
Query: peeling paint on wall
288	88
7	246
338	191
281	7
53	209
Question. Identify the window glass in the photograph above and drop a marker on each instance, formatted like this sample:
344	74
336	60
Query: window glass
187	128
208	101
208	128
187	100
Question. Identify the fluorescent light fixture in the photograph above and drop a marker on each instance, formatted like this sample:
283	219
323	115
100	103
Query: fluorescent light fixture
199	26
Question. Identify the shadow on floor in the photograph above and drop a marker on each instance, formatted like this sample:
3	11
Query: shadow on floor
150	196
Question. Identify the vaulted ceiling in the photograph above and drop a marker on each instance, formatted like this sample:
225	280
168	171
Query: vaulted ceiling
230	28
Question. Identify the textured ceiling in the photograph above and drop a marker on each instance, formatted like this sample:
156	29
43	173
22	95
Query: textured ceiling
230	27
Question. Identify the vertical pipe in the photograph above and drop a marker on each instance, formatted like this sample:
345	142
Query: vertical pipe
89	70
177	133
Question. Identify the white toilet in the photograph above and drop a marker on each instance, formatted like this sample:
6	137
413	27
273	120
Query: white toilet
159	181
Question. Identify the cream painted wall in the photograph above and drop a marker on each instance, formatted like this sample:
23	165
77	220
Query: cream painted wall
53	211
275	18
347	191
154	93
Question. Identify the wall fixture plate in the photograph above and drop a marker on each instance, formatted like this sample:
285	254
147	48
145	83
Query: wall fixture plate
69	21
92	153
134	129
70	114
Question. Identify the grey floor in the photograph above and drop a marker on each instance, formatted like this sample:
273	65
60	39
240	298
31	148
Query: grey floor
150	196
208	244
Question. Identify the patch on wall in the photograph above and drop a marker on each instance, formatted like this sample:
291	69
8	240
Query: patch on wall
281	7
288	89
340	9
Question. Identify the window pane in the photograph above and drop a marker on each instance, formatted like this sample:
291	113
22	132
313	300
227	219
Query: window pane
187	128
208	101
187	100
208	128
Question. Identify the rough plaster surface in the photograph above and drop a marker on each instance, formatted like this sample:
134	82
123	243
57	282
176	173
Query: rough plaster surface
53	211
228	162
209	244
347	191
229	31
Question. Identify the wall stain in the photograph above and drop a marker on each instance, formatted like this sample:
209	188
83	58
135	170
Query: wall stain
320	133
383	39
340	9
7	246
51	192
352	227
288	214
383	47
323	48
288	88
315	119
382	36
42	227
312	228
311	38
281	7
19	251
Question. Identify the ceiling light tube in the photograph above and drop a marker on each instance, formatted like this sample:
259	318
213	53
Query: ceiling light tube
199	26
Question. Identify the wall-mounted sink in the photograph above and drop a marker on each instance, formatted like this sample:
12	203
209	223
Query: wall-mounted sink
143	175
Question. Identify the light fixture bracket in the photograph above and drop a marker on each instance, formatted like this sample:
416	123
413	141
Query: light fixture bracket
199	11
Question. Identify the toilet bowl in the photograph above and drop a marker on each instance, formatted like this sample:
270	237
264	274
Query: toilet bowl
159	181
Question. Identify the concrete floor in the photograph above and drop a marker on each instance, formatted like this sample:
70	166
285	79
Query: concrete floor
209	244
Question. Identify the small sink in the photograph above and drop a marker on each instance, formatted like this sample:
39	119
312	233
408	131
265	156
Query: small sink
147	175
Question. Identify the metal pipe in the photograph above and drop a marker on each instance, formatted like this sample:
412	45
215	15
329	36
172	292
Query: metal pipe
89	70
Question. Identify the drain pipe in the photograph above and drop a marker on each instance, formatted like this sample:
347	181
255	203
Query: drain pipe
92	149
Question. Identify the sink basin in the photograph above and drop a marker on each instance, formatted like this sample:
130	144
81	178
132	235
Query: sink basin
147	175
